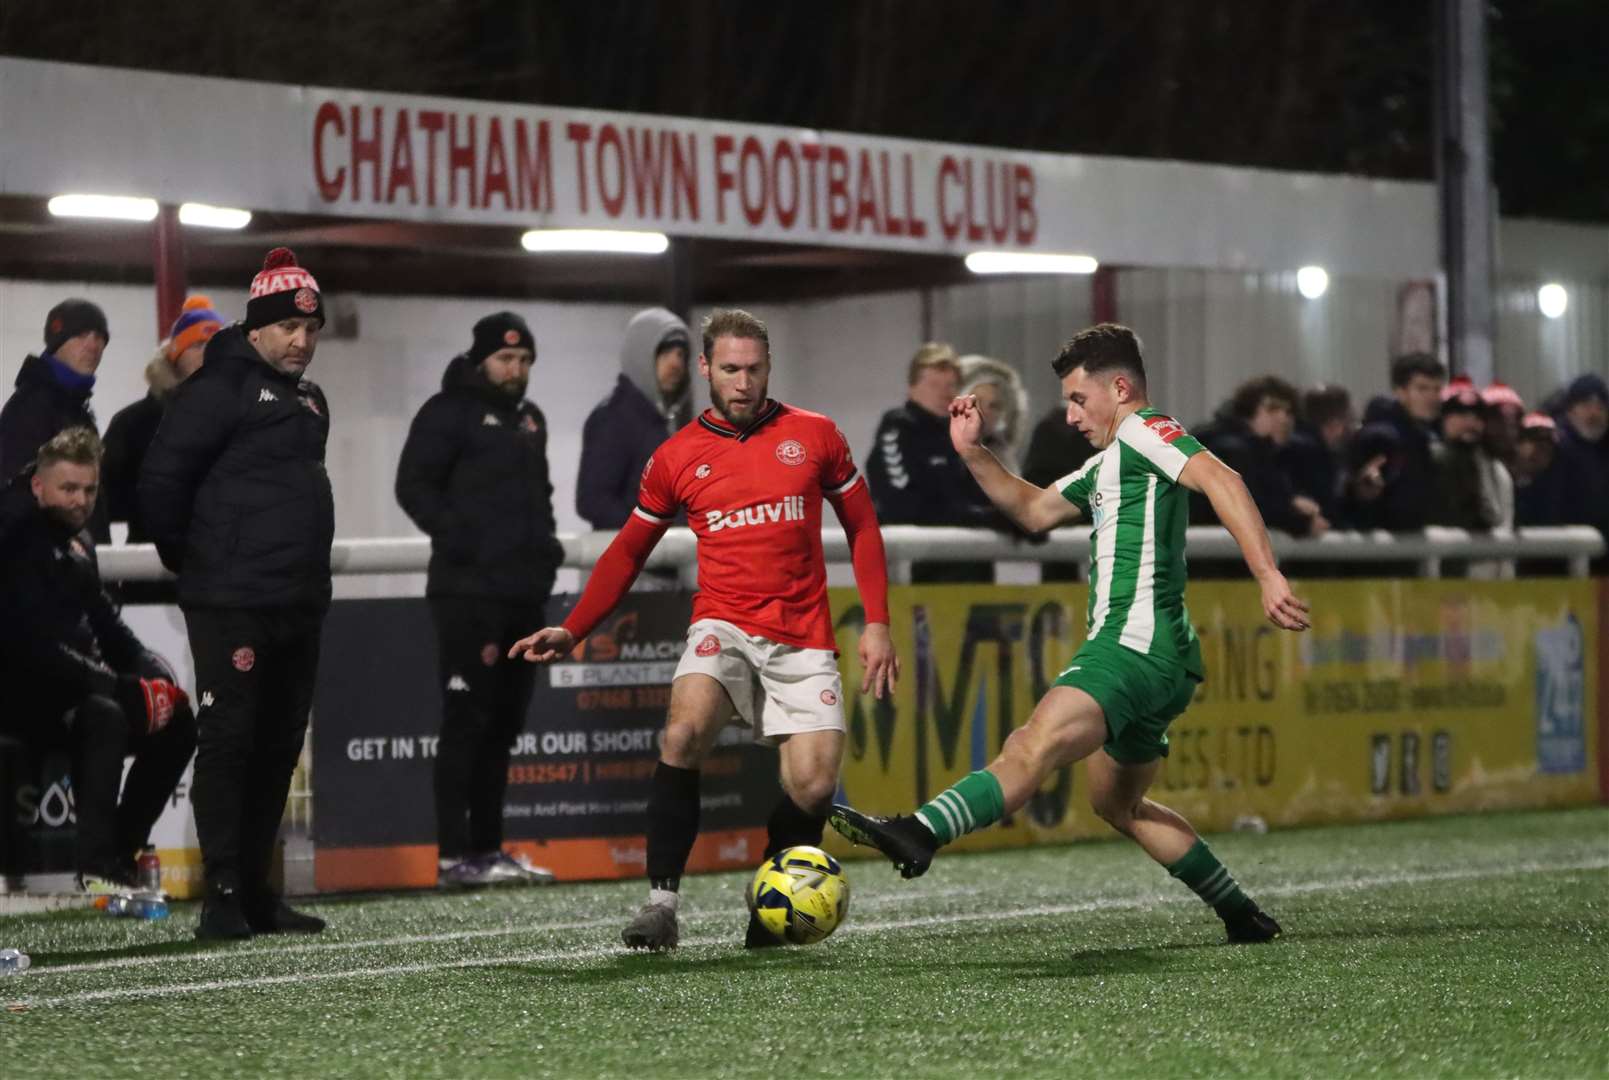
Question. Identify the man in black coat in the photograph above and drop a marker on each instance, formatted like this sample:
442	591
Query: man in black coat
915	475
77	678
474	476
53	391
129	435
1399	437
651	401
237	500
1247	434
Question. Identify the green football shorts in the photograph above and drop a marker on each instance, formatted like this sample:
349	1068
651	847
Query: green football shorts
1140	695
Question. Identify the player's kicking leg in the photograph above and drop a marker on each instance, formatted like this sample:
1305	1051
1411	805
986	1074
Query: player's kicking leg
1117	792
1067	726
699	705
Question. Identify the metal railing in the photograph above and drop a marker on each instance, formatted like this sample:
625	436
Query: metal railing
1575	545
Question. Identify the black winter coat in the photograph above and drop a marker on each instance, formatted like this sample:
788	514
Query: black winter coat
39	409
474	477
60	632
128	438
234	490
917	478
1410	498
619	437
1256	459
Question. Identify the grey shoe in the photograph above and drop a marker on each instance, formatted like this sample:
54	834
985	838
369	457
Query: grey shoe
505	869
654	928
465	873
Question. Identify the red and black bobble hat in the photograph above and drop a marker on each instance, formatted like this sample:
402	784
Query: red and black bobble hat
1460	395
283	290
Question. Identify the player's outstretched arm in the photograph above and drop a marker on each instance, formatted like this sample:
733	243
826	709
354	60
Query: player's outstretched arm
1233	503
1033	508
616	569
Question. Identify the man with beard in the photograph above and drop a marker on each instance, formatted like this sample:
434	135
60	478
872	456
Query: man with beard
752	474
236	498
77	678
474	476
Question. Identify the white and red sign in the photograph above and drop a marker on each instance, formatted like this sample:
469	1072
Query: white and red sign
301	149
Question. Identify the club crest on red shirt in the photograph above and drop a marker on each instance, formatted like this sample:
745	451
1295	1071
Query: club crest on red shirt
1166	427
306	301
244	658
702	471
709	646
791	452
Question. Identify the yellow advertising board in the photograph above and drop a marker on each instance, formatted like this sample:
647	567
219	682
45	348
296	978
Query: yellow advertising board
1406	698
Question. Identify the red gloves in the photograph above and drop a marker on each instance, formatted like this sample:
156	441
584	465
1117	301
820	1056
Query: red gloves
153	701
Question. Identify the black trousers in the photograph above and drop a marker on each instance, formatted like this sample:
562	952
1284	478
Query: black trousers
114	817
485	696
255	670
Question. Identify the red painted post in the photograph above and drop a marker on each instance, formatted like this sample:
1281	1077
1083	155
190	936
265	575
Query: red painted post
167	258
1103	294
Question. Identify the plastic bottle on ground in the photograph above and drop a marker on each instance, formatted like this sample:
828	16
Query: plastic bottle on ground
13	961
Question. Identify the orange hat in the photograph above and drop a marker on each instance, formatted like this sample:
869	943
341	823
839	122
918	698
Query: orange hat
195	326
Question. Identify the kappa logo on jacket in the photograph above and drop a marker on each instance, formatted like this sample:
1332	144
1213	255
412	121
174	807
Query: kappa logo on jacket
266	394
490	420
457	683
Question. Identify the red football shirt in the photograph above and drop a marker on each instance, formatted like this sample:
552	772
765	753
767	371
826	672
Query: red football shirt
753	498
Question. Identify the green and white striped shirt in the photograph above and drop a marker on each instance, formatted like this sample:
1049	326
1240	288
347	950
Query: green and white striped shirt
1130	493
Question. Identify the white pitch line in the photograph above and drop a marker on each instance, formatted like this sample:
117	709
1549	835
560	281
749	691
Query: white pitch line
597	952
444	938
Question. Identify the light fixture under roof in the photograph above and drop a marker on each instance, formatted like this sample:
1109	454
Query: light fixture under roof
213	217
1029	262
599	241
104	207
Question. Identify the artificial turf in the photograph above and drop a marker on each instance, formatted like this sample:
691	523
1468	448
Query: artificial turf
1468	946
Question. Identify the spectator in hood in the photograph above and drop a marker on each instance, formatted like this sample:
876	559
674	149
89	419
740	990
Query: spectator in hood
53	391
1583	454
652	400
1393	453
129	434
474	475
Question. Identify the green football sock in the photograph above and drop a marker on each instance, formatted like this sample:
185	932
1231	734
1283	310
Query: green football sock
965	806
1210	879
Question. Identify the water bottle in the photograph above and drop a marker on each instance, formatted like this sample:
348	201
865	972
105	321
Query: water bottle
136	906
13	961
148	870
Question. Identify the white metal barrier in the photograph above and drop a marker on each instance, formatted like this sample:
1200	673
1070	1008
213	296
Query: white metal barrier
1576	545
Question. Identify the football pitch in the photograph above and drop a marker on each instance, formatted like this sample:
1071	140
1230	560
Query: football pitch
1470	946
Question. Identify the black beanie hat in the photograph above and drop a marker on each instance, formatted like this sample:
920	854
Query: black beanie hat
70	318
282	290
504	330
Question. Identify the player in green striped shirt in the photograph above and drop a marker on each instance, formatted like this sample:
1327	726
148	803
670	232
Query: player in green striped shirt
1141	660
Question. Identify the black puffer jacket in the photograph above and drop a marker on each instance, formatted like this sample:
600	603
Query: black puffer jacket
38	409
60	628
234	490
474	476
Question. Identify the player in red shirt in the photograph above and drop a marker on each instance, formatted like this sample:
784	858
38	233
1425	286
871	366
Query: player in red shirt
751	473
